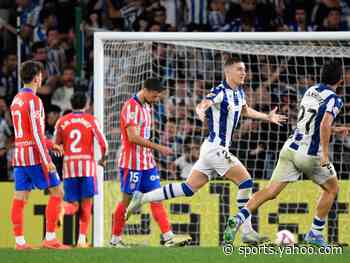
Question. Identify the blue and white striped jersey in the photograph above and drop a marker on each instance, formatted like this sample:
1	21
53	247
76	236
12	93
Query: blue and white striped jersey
316	101
224	114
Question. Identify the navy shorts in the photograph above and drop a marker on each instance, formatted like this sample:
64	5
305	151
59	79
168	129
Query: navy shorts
78	188
134	180
28	178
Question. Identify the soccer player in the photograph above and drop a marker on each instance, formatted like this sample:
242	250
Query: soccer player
221	109
33	167
76	131
138	171
305	152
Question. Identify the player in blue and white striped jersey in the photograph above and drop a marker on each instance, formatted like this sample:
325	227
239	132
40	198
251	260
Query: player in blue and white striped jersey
222	109
306	152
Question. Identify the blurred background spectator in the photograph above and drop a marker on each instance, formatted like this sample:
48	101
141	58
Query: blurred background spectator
59	33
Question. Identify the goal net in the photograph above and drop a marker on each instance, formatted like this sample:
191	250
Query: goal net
278	73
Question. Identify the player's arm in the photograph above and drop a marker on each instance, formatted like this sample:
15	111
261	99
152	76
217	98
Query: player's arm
325	135
343	131
202	107
137	139
102	142
57	140
38	135
272	116
215	96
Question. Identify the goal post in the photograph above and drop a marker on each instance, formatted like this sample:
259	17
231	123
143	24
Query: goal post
123	60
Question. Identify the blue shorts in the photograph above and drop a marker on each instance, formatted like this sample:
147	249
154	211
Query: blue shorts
78	188
31	177
143	181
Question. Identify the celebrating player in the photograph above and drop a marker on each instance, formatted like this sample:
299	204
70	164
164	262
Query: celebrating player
76	131
136	162
33	167
306	152
222	109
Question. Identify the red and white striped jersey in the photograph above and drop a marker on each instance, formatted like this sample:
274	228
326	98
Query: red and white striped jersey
28	117
133	156
76	131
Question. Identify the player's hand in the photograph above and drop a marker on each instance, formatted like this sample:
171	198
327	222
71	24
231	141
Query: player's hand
200	112
342	131
276	118
51	168
102	162
164	150
202	108
57	150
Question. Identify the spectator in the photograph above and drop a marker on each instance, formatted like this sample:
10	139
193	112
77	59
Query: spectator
48	20
5	137
56	54
8	77
183	165
52	115
301	21
29	12
63	94
217	13
332	22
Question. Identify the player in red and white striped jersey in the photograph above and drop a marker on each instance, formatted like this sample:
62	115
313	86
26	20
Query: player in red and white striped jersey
136	162
76	131
33	167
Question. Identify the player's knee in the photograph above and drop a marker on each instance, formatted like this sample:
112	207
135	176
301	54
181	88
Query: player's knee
57	191
333	190
188	191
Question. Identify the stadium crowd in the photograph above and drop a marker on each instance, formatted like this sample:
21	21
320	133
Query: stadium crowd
47	30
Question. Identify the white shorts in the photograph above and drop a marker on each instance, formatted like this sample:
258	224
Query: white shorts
292	164
214	158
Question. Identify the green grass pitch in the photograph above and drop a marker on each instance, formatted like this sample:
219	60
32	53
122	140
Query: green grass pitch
157	255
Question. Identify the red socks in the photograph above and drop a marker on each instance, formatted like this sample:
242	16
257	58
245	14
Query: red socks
160	215
85	216
118	219
70	208
52	213
17	216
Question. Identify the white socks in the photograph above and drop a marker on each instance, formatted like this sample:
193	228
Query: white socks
20	240
50	236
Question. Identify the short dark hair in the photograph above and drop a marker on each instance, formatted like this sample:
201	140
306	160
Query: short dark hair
153	84
78	100
29	69
54	108
331	72
232	60
37	45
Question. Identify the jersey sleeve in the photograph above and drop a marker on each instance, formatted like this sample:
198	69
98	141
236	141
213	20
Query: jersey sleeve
57	137
129	114
216	95
334	105
101	139
36	125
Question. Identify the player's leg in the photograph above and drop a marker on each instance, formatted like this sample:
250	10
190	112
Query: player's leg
23	186
150	181
129	182
51	182
284	172
194	182
88	189
327	179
